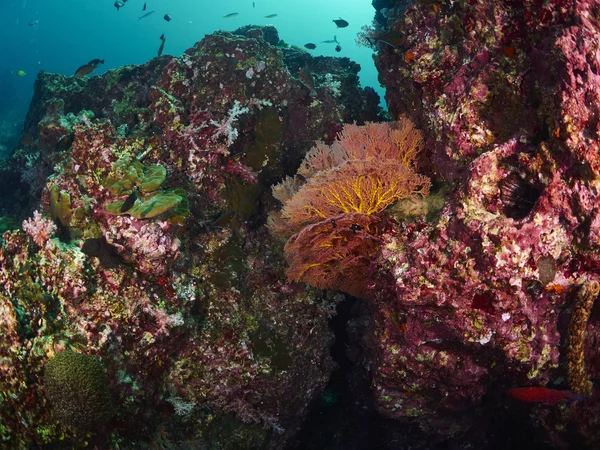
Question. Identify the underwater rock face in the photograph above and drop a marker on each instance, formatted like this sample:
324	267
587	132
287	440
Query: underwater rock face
185	302
482	293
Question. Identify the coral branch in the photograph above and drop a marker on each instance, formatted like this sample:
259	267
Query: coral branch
39	228
396	141
365	170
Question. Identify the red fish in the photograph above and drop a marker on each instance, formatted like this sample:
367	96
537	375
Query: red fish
543	395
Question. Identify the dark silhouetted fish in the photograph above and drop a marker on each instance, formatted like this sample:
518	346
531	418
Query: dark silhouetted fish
129	202
341	23
270	16
310	46
144	8
338	48
88	68
224	219
392	38
162	44
230	15
146	15
33	23
118	5
106	253
27	140
167	17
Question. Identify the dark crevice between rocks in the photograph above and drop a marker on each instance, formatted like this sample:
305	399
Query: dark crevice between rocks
340	418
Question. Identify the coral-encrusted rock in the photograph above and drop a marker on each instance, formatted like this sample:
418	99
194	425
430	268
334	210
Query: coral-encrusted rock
507	93
477	73
193	318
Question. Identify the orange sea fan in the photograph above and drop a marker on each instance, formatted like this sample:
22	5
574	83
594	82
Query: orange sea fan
355	186
336	253
398	141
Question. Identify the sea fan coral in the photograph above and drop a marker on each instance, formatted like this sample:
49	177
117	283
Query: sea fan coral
365	170
332	208
356	186
336	253
387	141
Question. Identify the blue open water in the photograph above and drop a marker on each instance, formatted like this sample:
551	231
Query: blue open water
69	33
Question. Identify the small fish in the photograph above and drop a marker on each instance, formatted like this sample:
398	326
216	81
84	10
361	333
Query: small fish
27	140
88	68
162	44
129	202
146	15
338	48
355	227
543	395
310	46
21	73
230	15
84	119
254	4
331	41
509	52
341	23
33	23
392	38
224	219
308	81
118	5
167	17
270	16
144	8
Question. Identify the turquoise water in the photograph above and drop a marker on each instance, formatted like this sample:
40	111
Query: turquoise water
69	33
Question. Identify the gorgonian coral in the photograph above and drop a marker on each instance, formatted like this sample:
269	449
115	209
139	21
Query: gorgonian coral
355	186
336	253
330	209
365	170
